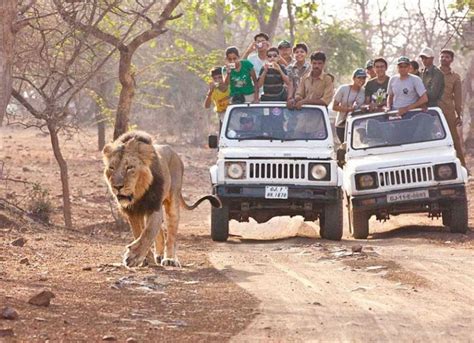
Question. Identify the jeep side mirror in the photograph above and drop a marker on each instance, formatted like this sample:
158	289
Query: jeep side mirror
341	155
212	141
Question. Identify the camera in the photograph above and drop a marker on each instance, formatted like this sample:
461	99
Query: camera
259	45
232	65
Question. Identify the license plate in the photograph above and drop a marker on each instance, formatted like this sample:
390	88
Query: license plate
406	196
276	192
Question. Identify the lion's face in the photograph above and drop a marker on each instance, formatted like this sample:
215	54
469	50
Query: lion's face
127	170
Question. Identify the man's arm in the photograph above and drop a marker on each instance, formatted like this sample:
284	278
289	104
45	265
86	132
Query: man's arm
255	84
208	101
457	89
419	103
251	48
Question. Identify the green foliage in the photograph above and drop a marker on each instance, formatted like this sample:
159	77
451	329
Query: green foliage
39	203
306	12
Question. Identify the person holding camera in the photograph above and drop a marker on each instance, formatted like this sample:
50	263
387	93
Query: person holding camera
241	77
218	94
256	52
273	78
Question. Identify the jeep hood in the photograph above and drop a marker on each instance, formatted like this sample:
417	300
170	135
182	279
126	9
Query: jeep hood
399	159
276	152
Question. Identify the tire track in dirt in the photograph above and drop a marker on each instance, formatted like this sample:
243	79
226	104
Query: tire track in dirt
307	294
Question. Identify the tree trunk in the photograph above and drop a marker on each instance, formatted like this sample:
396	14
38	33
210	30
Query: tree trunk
7	18
64	175
126	94
291	20
100	130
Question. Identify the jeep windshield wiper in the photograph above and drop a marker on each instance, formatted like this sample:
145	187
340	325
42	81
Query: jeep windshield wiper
262	137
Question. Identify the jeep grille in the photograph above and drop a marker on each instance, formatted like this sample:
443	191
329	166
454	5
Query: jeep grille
277	170
405	176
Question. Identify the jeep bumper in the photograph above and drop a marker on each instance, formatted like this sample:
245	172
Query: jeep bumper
435	200
246	201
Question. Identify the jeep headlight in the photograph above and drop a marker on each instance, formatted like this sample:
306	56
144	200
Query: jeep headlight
235	170
366	181
319	171
445	171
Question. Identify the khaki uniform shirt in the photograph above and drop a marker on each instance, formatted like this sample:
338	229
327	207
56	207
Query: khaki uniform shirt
451	101
320	88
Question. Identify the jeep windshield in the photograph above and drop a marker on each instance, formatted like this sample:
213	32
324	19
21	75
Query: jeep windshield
390	130
276	123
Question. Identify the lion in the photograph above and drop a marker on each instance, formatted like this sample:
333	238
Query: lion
145	179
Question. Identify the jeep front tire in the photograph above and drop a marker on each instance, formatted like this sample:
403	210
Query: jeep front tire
220	224
330	222
360	223
459	219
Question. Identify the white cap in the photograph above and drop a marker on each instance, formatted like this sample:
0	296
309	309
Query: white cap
427	52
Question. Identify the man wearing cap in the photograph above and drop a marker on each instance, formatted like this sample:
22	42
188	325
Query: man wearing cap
285	50
405	91
369	69
432	77
316	87
349	98
451	101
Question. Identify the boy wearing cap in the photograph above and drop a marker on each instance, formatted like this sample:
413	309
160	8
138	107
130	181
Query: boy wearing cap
376	88
405	91
349	98
369	69
256	52
451	101
218	94
285	51
432	77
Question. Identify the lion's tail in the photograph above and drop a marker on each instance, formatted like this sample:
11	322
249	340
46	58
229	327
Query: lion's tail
215	202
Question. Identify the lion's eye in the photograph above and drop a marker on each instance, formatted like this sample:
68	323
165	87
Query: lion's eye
129	168
111	168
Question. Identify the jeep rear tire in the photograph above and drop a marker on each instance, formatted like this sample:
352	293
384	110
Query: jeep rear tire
360	223
459	217
220	224
330	222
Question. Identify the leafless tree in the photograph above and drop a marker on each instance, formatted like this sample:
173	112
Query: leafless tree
53	65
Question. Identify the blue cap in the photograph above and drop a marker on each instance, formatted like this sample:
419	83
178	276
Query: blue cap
359	72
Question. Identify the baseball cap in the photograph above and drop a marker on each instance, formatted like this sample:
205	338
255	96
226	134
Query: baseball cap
359	72
284	44
427	52
369	64
403	59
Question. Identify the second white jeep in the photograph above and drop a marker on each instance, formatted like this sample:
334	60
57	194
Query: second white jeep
408	164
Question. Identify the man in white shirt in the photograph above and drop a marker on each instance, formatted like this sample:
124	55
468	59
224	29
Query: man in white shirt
405	91
256	53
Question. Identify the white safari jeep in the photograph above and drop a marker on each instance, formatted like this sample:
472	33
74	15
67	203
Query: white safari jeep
275	162
396	165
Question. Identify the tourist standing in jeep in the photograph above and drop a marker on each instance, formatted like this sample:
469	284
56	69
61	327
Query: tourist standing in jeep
405	91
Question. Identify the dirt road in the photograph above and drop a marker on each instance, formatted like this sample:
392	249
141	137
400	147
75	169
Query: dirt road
414	283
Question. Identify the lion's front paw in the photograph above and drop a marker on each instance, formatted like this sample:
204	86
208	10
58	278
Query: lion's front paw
170	262
134	256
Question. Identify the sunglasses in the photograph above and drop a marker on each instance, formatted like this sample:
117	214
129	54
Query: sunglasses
272	55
